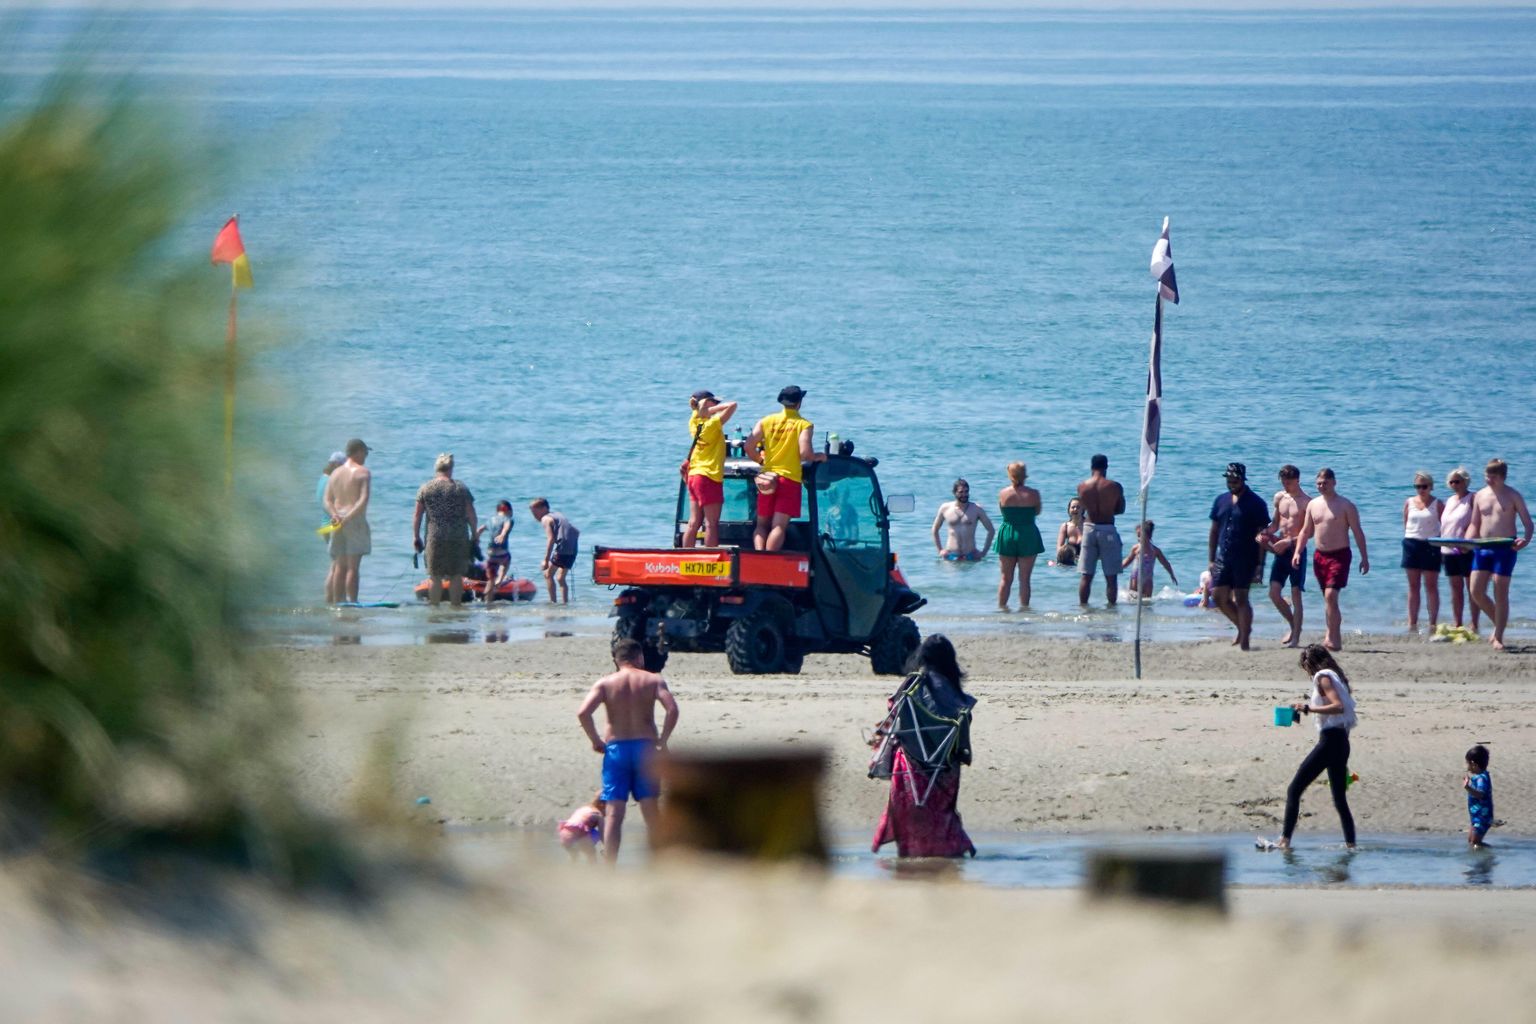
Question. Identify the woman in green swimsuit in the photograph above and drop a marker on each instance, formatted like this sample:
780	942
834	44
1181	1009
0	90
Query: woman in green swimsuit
1018	539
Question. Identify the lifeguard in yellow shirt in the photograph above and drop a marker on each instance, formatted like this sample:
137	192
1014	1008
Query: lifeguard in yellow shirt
781	442
706	466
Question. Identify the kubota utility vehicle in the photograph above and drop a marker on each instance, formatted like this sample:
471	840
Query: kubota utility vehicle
835	587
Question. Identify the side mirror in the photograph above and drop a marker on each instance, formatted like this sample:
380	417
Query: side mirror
900	502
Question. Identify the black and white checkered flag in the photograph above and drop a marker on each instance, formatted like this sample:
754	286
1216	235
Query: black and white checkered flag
1152	422
1162	267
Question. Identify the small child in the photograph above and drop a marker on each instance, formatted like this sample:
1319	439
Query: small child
582	832
1207	592
1479	787
1143	553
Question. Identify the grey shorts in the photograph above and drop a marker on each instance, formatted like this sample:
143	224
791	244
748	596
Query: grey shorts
353	540
1101	544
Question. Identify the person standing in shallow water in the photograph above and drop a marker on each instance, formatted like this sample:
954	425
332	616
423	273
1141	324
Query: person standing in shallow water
1238	518
1421	559
933	829
1102	499
1290	503
346	500
1018	540
449	510
1332	704
962	516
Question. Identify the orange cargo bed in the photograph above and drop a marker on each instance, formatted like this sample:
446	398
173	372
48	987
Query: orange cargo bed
700	567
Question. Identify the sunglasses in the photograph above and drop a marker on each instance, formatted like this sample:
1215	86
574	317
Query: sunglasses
1421	487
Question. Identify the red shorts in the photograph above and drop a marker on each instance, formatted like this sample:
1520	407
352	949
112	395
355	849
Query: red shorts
785	500
705	492
1332	568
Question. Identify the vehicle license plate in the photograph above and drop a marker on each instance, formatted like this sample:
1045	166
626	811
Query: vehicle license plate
705	568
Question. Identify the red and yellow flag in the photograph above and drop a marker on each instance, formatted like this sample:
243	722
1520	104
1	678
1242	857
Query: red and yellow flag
228	248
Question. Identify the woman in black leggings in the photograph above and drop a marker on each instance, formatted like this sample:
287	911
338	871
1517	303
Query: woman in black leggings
1334	707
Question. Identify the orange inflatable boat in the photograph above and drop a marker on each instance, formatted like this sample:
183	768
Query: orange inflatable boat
474	590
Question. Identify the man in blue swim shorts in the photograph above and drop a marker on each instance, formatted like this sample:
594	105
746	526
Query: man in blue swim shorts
628	697
1494	511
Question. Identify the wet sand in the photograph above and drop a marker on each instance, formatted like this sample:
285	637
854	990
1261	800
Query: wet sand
1064	739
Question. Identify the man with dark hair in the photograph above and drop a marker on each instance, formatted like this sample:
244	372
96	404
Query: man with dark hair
629	697
1494	510
962	516
1290	504
1102	500
1334	519
1238	517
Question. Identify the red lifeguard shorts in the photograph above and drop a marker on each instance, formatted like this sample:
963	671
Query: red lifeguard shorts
785	500
705	492
1332	567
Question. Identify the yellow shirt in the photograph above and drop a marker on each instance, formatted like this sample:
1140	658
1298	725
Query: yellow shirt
708	458
781	442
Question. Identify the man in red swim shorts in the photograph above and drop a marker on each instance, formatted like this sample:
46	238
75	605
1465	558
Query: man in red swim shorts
1334	519
782	443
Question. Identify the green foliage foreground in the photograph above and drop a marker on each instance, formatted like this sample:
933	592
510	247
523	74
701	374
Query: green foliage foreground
131	708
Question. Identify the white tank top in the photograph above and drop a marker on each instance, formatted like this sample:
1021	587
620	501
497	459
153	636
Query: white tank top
1456	518
1345	719
1423	523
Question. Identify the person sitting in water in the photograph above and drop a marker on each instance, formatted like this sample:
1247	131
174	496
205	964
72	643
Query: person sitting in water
1069	539
1144	553
962	517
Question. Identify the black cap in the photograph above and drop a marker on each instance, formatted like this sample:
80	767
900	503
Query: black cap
1238	470
791	395
701	394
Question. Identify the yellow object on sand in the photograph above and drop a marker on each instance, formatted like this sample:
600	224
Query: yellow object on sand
1455	634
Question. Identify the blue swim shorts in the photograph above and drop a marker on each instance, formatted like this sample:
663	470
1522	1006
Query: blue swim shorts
627	770
1499	561
955	556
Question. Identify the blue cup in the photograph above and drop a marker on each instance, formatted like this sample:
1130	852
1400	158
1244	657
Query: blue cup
1285	715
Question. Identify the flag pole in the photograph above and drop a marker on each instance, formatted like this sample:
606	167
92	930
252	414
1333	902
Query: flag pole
229	395
1157	329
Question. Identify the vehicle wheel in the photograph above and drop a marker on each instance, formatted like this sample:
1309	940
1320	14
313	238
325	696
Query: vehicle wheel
794	658
892	647
632	627
754	645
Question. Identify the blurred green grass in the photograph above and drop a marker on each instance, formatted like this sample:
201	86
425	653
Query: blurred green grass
132	706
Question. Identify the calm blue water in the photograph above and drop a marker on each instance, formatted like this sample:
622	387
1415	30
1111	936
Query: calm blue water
525	237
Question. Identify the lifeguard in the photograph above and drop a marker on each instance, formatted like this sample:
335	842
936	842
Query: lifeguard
782	443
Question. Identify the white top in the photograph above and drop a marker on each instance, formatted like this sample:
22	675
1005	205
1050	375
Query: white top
1456	517
1423	523
1344	720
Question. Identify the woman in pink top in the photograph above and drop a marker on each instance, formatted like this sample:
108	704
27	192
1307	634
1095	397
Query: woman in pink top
1455	518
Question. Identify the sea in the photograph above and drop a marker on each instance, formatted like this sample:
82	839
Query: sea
524	237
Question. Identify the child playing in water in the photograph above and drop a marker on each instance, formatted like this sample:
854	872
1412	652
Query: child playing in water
1207	591
582	832
1143	553
1479	787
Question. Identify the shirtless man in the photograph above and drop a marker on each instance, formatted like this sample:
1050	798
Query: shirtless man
346	500
1102	499
1333	519
961	516
1289	506
629	696
1494	510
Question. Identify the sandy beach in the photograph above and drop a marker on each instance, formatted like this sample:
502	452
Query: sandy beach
1064	743
1064	739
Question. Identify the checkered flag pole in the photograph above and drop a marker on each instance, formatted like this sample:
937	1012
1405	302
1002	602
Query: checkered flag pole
1152	420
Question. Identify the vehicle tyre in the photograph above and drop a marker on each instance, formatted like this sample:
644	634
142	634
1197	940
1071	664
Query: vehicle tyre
754	645
632	627
794	658
892	647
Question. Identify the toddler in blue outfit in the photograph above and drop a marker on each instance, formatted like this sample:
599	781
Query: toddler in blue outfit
1479	787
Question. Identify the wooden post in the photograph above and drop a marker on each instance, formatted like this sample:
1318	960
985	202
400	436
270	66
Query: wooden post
759	803
1195	878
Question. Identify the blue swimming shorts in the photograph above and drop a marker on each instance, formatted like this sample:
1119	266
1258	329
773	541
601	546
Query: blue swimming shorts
1499	561
955	556
627	770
